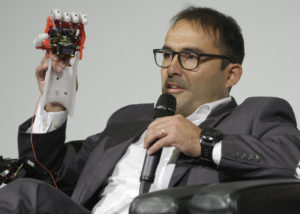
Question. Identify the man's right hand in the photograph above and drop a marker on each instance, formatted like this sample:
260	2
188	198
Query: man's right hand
58	64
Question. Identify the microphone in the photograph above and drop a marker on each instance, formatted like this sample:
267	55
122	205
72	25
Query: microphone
165	106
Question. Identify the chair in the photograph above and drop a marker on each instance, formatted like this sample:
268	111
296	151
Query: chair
243	197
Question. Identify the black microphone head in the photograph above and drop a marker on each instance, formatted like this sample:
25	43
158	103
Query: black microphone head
165	106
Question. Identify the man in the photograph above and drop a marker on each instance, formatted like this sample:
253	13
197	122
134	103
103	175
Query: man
200	62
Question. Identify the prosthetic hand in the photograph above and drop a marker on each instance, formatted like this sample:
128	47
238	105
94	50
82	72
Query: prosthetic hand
63	36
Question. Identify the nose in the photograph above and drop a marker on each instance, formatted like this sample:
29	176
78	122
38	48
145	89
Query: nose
174	68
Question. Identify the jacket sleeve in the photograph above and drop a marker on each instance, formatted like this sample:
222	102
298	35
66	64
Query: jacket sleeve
67	160
263	141
64	160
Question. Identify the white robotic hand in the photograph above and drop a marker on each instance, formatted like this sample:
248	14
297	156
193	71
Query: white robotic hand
64	35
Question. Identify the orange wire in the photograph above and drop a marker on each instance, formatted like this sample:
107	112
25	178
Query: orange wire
32	146
82	38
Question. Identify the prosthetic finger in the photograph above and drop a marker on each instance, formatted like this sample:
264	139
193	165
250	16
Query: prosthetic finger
40	39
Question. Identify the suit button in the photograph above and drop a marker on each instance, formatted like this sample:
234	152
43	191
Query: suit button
243	155
236	154
250	157
256	158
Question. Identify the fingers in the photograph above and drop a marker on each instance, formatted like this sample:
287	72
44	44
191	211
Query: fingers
158	135
56	14
67	17
173	131
163	142
83	18
60	62
39	40
155	131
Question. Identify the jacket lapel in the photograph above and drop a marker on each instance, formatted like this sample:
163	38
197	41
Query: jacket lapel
105	156
214	118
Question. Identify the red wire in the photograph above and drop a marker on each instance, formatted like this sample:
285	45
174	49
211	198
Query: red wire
32	146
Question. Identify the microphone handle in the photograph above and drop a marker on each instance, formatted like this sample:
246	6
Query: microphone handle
149	169
165	106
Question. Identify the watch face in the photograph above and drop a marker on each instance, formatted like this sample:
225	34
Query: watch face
211	134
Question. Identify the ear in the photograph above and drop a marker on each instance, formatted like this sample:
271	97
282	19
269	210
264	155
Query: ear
233	73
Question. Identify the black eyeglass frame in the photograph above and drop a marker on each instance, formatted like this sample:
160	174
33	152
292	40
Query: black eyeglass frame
155	51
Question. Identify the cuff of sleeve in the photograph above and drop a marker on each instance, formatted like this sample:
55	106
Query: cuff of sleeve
217	153
57	119
47	121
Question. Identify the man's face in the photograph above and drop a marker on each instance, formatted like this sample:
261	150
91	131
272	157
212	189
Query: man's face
204	84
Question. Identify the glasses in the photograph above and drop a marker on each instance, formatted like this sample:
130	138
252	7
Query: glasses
188	60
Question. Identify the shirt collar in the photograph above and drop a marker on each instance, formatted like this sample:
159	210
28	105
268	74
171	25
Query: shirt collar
202	112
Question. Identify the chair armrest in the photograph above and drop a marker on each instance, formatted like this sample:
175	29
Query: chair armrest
243	197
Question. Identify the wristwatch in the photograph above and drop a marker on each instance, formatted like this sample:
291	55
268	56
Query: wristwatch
209	137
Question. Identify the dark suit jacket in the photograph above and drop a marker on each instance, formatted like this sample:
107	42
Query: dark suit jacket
261	140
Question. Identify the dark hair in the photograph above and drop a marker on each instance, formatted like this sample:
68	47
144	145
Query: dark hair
228	34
